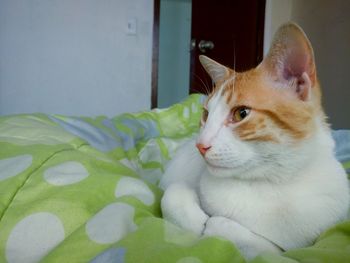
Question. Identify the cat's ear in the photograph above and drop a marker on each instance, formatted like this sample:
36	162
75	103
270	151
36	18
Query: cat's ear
216	71
291	60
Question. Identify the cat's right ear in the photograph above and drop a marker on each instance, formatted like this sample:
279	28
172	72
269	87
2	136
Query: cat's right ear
216	71
291	60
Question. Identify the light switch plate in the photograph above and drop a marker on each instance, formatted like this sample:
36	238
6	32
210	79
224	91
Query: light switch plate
131	26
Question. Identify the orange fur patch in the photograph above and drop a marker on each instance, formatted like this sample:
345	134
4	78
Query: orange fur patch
275	111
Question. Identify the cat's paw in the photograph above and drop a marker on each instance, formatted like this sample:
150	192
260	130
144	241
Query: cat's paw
248	243
180	205
222	226
229	229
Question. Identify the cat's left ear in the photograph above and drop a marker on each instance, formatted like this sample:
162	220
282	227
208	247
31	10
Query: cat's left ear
216	71
291	60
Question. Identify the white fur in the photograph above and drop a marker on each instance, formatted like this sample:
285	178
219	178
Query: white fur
261	196
192	163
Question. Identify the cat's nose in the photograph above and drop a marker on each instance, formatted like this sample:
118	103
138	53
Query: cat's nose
202	148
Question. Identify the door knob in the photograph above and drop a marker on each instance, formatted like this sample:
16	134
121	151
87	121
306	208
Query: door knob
205	45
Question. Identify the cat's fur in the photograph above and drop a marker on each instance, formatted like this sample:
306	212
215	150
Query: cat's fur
269	182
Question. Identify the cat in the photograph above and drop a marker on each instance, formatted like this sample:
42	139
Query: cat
262	171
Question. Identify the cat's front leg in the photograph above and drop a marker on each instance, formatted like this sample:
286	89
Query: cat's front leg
246	241
180	205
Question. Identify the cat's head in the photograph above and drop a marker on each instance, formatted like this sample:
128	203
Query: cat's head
258	121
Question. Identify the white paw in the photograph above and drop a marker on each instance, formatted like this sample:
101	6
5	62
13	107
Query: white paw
248	243
219	226
180	205
196	224
229	229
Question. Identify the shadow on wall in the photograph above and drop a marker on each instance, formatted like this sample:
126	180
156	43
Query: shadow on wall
327	25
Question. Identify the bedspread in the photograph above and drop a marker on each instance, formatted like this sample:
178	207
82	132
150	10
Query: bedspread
79	189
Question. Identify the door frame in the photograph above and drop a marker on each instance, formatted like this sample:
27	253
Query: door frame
155	47
155	54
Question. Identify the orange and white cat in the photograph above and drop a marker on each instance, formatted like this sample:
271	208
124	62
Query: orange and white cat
264	175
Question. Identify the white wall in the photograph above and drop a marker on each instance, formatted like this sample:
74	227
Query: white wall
174	51
277	12
327	24
74	57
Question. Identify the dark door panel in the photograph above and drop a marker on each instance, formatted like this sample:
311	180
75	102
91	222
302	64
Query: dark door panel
236	29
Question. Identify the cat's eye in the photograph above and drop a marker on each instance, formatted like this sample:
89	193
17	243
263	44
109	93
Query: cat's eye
240	113
205	115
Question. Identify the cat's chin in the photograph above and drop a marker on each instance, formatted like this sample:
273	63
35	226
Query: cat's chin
239	172
221	172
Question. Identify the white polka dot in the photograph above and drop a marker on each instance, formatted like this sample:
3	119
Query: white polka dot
33	237
186	113
111	224
194	108
15	165
136	188
65	173
189	260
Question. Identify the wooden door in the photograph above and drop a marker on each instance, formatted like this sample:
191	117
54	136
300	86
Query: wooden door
236	30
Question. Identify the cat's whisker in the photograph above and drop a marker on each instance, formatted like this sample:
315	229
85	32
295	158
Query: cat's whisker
208	85
193	88
234	57
207	89
198	90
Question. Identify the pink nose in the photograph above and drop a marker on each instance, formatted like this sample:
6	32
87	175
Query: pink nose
202	148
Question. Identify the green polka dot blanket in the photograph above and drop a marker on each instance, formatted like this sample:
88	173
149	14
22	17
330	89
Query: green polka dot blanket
76	189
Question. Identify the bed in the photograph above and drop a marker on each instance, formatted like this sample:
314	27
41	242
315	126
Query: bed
79	189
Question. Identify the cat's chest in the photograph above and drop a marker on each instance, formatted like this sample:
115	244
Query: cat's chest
237	200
